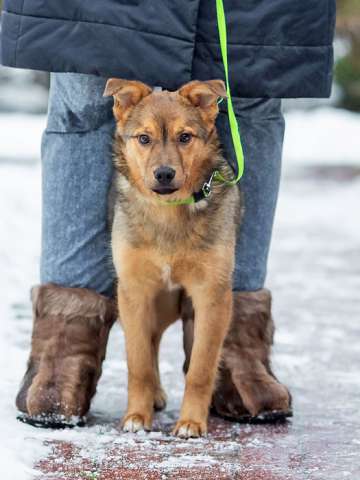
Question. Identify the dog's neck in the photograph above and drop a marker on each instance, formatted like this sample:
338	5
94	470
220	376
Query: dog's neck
148	222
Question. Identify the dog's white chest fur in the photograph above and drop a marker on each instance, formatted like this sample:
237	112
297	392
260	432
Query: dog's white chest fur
166	277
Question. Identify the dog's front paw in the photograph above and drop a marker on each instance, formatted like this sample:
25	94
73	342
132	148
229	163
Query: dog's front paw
135	422
190	429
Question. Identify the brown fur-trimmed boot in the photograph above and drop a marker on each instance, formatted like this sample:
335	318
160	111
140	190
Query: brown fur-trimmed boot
70	333
246	390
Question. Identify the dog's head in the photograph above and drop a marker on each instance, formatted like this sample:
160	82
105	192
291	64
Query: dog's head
166	142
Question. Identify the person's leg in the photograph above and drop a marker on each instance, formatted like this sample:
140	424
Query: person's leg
247	388
262	131
77	171
73	310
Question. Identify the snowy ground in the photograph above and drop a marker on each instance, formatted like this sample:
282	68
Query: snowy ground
314	273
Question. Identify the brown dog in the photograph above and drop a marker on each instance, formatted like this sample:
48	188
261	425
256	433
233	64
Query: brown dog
166	148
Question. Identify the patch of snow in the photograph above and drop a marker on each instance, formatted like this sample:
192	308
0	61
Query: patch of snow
186	461
21	137
325	136
19	255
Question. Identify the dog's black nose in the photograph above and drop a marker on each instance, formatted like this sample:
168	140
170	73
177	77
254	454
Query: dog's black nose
164	174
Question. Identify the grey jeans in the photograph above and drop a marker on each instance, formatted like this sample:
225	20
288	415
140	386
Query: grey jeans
77	172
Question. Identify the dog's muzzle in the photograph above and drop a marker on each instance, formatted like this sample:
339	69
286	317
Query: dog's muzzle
164	177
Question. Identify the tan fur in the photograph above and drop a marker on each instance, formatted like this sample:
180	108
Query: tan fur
246	385
162	251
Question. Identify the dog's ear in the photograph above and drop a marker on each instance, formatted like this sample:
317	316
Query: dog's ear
205	96
127	94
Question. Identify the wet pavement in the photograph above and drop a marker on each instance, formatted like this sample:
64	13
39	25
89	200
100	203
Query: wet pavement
310	450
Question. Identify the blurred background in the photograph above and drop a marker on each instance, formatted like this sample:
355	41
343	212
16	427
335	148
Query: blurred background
314	267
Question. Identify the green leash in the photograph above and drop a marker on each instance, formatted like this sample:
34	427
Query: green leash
235	135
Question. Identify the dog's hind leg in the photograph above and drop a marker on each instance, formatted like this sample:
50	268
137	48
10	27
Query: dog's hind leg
167	306
160	397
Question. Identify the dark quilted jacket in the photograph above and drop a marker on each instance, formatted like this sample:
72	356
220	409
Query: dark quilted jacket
277	48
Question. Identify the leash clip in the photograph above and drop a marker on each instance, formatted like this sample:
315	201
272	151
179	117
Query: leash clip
206	189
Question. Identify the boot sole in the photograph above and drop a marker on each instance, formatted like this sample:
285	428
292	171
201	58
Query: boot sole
267	417
51	421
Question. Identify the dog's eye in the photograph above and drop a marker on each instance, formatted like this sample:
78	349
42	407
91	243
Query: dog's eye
144	139
185	137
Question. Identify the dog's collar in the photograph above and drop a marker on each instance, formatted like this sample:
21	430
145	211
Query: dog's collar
201	194
205	191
